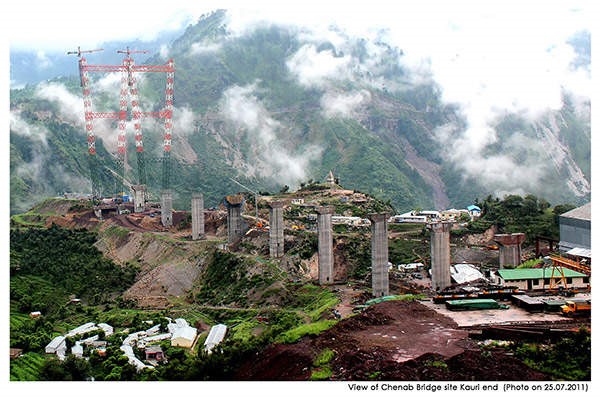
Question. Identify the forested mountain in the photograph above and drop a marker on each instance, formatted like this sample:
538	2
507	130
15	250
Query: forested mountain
280	105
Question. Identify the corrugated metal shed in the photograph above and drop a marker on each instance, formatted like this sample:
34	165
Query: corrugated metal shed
583	213
580	252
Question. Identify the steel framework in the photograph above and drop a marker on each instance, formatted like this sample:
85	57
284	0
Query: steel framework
128	96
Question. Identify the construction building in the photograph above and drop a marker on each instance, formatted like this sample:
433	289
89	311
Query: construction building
325	234
543	278
276	239
510	248
379	255
197	216
440	255
575	228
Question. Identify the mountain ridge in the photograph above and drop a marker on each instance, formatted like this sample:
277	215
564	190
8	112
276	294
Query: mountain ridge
253	107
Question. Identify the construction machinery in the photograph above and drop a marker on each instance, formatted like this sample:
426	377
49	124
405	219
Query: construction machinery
574	308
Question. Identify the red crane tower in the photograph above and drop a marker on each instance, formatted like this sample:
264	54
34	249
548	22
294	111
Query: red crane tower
89	119
129	90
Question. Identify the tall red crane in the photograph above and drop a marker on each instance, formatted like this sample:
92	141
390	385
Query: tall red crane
89	119
129	96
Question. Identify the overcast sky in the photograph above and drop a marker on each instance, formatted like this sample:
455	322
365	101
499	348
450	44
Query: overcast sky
61	24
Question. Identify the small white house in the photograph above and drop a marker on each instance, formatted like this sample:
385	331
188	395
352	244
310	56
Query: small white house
474	211
410	267
184	337
132	359
157	338
410	217
77	350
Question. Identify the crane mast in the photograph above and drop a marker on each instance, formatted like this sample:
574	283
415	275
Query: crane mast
89	119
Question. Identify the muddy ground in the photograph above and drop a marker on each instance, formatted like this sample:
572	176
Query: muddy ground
395	340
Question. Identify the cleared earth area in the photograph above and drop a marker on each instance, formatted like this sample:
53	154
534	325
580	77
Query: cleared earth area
394	340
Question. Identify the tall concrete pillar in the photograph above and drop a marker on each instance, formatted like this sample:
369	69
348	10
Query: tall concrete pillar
276	241
325	245
440	255
510	248
379	255
234	217
166	207
139	198
197	216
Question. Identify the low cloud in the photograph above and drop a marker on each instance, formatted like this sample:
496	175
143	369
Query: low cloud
200	48
37	168
42	61
270	154
314	68
19	126
343	104
70	106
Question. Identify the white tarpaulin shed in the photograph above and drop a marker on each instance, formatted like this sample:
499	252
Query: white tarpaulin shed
580	252
215	336
108	330
80	330
462	273
56	344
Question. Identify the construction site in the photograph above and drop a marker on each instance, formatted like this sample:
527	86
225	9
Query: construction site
427	320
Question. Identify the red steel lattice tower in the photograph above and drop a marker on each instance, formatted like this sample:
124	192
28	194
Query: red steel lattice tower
89	119
128	91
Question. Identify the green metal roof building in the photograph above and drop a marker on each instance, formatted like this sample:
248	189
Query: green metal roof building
539	278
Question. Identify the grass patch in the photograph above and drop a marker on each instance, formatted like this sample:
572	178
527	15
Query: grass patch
322	368
321	374
242	332
437	364
324	358
27	367
295	334
313	300
117	232
28	219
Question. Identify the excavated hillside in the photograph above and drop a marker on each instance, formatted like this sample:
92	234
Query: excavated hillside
394	340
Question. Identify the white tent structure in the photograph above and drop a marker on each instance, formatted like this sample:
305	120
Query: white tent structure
215	336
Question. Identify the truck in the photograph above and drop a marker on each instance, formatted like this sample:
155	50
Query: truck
576	308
